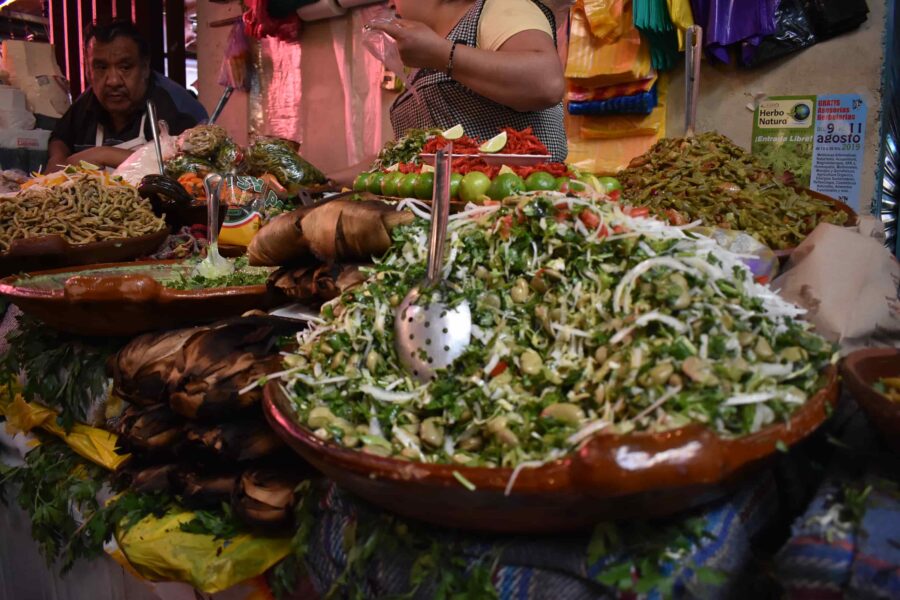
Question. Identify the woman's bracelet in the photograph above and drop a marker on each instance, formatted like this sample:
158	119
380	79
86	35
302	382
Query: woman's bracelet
450	61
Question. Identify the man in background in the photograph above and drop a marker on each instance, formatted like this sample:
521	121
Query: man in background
109	120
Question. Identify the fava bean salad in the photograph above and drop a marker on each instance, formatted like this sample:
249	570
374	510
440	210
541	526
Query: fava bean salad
586	319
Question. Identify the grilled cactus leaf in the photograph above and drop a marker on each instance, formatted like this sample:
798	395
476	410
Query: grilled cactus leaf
149	430
265	498
238	441
321	283
141	370
204	489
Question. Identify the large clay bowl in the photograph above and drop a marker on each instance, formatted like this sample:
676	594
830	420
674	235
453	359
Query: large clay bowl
613	476
52	252
863	368
124	299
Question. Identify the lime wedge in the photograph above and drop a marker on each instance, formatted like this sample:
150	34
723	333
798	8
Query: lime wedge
454	133
393	167
427	169
505	169
495	144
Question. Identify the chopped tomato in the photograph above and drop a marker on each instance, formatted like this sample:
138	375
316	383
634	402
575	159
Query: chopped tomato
640	211
590	219
614	195
562	214
505	226
499	368
619	229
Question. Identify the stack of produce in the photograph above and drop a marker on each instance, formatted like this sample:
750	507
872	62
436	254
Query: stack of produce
192	429
319	248
400	171
586	319
207	148
710	179
80	204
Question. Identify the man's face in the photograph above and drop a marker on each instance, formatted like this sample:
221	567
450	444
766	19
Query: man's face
117	74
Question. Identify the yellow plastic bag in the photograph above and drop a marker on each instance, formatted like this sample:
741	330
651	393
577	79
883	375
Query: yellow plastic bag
158	550
604	18
593	63
96	445
682	17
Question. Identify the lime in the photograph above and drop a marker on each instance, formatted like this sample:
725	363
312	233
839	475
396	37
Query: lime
455	178
609	184
424	186
562	184
495	144
374	184
591	180
473	186
454	133
577	186
390	184
508	184
361	182
540	180
407	187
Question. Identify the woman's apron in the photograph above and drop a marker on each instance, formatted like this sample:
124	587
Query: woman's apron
446	102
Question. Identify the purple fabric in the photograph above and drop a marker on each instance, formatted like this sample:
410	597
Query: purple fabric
728	22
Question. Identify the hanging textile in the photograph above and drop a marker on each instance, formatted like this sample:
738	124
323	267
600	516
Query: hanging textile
651	18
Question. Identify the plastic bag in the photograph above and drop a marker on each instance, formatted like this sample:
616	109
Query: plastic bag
384	48
234	72
726	22
832	17
158	550
143	160
794	32
279	157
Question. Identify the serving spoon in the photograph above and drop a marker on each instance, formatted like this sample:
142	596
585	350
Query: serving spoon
214	265
429	334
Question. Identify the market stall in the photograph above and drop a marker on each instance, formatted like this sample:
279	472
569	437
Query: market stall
666	367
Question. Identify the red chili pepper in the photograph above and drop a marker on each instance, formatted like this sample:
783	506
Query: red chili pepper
640	211
499	368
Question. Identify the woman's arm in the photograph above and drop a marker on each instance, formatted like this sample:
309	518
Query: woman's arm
524	74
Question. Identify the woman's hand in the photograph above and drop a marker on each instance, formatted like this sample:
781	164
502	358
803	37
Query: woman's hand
419	45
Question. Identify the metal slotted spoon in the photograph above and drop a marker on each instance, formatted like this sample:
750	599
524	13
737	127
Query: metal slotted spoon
428	333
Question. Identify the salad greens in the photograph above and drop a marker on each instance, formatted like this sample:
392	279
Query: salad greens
404	150
585	319
243	275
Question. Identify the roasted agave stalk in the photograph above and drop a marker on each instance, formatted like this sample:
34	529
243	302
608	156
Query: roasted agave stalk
265	498
216	364
340	230
141	370
150	430
315	283
204	489
237	441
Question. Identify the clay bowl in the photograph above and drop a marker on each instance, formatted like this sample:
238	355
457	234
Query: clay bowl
52	251
124	299
863	368
852	218
640	475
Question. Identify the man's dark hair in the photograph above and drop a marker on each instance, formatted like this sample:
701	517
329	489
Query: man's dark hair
106	32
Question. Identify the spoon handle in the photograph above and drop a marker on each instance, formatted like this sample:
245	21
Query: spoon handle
693	48
212	183
154	129
440	213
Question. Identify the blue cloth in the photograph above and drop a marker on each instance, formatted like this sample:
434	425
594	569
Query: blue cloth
536	567
831	553
642	103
